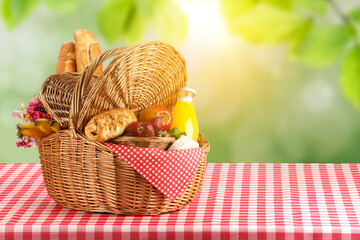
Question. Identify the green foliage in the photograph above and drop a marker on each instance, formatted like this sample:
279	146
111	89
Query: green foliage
136	28
267	24
354	15
114	17
169	22
147	7
123	19
294	22
322	46
233	9
350	75
284	4
14	11
298	37
310	7
117	19
63	5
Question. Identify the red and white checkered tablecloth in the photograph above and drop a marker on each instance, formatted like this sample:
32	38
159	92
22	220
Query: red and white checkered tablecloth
237	201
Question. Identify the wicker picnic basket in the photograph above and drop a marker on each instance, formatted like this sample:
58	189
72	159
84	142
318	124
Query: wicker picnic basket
84	175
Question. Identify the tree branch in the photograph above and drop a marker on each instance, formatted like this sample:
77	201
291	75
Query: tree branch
345	19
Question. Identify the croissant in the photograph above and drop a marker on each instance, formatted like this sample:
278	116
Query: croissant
109	124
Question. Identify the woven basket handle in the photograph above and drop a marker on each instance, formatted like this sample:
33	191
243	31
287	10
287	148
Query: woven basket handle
76	101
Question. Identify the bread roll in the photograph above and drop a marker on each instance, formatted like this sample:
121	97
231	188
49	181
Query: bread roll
66	60
87	48
109	124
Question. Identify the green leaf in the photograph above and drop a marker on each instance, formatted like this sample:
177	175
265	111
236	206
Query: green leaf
298	37
318	7
322	46
136	28
169	22
122	19
232	9
285	4
267	24
14	11
350	75
63	5
146	7
354	15
114	17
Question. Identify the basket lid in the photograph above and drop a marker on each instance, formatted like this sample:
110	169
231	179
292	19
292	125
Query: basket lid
56	93
148	73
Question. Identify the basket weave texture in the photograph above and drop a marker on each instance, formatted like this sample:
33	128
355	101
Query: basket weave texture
148	142
84	175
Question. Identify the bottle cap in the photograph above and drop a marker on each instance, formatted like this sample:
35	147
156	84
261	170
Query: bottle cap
188	89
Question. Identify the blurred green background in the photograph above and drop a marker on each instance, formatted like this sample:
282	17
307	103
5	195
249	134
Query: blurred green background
277	80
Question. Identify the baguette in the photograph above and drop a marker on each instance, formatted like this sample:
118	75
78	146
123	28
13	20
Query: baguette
87	48
66	60
109	124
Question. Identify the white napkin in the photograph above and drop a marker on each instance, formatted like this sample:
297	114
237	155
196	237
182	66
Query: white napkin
184	142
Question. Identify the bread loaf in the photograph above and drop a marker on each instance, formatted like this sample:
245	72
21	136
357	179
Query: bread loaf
109	124
87	48
66	60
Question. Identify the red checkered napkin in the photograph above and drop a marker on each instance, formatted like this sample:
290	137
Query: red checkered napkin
169	171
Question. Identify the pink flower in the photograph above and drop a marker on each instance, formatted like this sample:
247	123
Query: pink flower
20	114
36	110
32	142
22	144
26	142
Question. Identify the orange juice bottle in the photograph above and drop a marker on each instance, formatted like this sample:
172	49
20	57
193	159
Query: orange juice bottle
183	114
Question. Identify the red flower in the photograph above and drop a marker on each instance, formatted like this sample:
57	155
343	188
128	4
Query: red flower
36	110
23	144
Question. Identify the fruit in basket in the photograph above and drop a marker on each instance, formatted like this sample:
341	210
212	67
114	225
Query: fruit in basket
157	111
156	122
176	133
161	133
44	125
153	128
146	130
55	126
29	129
132	129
